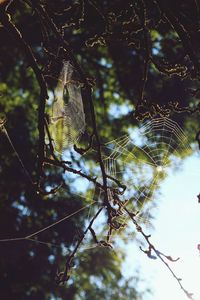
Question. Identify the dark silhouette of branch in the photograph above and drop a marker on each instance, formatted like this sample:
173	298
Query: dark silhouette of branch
86	91
142	14
143	107
64	276
16	34
182	33
71	170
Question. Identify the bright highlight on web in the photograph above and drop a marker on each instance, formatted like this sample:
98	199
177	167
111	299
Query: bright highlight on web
67	121
135	164
141	159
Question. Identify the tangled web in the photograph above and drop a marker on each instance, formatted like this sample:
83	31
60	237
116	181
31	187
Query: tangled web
141	159
67	121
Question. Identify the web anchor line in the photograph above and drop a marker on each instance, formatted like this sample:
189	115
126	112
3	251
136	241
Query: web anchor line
17	155
30	236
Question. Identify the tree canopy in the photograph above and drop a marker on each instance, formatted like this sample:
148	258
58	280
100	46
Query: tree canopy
78	78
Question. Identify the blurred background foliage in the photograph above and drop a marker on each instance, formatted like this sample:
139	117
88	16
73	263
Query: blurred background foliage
109	40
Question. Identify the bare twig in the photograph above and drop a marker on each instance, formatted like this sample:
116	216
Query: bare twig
157	253
64	276
16	34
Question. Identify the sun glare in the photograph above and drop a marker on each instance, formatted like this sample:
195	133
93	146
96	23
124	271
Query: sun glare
159	169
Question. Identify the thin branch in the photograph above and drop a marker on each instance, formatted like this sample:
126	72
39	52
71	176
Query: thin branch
27	237
64	276
142	14
71	170
87	91
16	34
158	253
182	33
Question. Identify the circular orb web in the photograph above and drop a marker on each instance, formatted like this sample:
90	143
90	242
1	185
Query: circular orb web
139	160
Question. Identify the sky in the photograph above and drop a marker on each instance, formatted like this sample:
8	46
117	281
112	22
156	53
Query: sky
176	232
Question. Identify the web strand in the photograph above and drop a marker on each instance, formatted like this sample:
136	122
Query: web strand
17	155
28	237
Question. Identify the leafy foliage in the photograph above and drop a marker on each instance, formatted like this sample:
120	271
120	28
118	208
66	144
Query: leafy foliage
132	61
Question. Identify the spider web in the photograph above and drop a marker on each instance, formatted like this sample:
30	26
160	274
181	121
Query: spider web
34	236
149	152
67	121
139	160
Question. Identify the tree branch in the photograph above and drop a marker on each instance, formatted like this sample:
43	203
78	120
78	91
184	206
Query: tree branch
16	34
